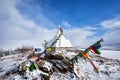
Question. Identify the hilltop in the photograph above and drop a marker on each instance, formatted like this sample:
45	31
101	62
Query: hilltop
57	66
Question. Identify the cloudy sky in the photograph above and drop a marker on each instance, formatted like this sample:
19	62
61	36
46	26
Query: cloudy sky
83	21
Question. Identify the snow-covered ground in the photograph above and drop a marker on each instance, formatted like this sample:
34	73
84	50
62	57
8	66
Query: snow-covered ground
109	69
111	54
10	62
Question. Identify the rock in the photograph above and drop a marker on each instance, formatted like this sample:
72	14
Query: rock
45	77
63	66
60	63
55	57
101	61
32	56
42	67
7	74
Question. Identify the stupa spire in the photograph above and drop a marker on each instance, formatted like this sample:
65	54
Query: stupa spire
59	40
60	31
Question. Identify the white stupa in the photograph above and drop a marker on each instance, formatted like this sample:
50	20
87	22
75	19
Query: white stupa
61	42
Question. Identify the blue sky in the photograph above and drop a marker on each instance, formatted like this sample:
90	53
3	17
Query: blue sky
76	12
83	21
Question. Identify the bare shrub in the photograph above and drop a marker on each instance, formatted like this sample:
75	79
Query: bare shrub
6	52
24	49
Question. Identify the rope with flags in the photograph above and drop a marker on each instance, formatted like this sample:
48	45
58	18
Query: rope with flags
55	41
57	38
94	48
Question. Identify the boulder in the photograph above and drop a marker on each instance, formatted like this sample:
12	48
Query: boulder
54	56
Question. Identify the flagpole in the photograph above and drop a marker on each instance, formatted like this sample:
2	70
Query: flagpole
95	68
85	55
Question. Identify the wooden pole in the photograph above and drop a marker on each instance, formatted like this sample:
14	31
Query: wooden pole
95	68
85	55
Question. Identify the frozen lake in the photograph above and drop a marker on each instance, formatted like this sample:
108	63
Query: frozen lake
111	54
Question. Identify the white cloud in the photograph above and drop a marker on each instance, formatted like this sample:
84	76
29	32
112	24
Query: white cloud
111	36
79	37
113	23
35	12
90	28
66	23
16	30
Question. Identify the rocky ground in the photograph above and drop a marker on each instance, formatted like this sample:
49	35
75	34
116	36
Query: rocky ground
58	66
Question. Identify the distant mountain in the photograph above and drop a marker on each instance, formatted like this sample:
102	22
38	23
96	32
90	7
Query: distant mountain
111	47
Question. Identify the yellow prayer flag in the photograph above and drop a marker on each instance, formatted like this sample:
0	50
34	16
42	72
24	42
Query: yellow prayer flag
36	65
49	49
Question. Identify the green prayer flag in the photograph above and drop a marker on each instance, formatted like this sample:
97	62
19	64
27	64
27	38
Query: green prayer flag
98	51
32	67
86	51
77	59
